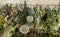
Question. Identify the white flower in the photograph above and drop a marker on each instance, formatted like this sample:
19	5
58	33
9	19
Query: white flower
56	28
59	24
38	20
30	18
24	29
5	24
16	19
6	18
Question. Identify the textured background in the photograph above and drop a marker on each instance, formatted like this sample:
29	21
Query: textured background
33	2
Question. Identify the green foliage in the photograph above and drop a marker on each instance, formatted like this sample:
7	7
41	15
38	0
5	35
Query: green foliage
1	28
23	14
2	20
44	19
